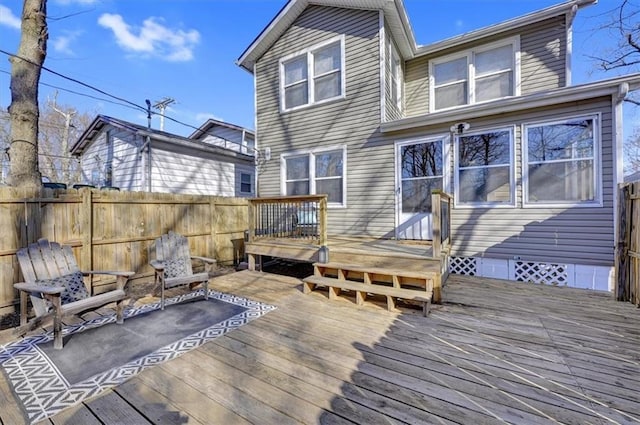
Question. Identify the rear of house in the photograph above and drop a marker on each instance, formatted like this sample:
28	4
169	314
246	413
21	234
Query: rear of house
349	105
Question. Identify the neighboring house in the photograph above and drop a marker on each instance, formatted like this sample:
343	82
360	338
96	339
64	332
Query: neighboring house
349	105
632	177
227	135
132	157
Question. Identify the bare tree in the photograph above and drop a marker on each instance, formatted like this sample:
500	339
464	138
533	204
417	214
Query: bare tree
26	67
60	127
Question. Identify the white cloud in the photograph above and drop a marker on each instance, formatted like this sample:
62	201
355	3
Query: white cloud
62	43
204	116
153	38
8	19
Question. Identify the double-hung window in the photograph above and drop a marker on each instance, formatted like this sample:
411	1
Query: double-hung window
316	172
479	75
394	81
561	162
246	183
484	174
313	76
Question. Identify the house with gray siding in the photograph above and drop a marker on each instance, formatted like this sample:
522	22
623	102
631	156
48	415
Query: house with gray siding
121	154
350	105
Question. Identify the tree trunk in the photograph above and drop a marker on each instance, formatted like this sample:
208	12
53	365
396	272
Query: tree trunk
24	111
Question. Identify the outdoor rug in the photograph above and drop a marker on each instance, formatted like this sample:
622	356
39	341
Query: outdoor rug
99	354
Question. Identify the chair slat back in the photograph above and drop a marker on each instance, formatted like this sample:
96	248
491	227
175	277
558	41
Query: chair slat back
46	260
172	246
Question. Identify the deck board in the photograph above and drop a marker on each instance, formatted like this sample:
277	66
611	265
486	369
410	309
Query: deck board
494	352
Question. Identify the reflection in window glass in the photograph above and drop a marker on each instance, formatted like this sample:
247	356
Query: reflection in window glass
561	163
484	168
316	173
422	173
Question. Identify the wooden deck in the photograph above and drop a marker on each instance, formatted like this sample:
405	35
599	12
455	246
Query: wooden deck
494	352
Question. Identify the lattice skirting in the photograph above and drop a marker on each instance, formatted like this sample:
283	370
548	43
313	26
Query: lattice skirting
559	274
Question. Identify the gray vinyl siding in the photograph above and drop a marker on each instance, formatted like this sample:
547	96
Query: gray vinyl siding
392	112
543	63
123	157
352	122
543	53
540	234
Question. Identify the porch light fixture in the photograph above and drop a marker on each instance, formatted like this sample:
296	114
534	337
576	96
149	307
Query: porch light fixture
460	127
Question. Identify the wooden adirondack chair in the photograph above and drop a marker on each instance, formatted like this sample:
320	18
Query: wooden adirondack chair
173	265
55	284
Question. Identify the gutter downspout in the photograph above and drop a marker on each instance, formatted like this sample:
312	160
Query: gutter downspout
148	145
618	155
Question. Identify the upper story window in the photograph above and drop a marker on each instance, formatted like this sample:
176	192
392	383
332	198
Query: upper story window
479	75
313	76
394	66
561	162
484	171
316	172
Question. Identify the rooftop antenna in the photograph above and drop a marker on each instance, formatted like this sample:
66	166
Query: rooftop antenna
161	105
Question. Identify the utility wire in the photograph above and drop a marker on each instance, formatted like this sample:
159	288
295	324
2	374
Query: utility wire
102	99
126	102
89	86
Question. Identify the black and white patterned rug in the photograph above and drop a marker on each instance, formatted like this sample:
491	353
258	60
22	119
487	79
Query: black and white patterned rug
98	354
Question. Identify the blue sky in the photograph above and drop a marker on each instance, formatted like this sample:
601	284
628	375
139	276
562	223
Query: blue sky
186	50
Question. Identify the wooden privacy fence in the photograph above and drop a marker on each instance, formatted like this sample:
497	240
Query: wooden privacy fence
112	230
628	249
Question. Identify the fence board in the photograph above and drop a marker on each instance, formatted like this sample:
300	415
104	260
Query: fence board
112	230
628	250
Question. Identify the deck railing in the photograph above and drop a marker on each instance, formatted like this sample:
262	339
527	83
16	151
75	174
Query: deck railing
291	217
441	204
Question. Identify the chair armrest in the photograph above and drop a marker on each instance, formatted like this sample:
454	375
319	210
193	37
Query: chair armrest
34	287
110	273
156	264
204	259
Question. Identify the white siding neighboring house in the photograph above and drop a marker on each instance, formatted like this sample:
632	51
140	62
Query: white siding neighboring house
129	156
491	116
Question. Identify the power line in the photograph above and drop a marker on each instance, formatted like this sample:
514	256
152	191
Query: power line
126	102
89	86
79	94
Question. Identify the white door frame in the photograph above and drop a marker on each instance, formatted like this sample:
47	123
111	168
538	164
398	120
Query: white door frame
445	138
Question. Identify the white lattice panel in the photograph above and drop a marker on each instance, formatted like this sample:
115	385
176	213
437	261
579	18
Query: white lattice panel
463	265
553	274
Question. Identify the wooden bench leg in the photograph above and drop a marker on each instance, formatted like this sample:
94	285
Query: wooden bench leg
361	296
333	293
205	285
307	287
391	303
426	306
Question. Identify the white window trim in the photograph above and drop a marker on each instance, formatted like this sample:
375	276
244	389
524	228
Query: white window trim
512	173
310	75
471	78
392	55
310	153
597	156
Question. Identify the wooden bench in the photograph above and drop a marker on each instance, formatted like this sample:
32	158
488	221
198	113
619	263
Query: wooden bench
423	279
362	289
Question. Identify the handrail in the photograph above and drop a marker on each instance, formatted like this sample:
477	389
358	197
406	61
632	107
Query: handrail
301	217
441	205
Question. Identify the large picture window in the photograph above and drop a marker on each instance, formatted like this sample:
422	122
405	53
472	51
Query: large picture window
561	162
478	75
484	169
316	172
312	76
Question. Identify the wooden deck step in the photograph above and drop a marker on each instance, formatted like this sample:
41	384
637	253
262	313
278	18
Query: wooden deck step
399	278
362	289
